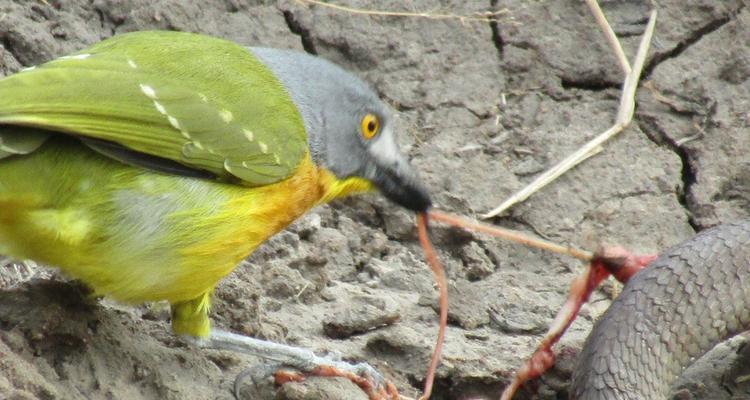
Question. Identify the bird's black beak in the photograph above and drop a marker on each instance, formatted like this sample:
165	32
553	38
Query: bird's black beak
401	185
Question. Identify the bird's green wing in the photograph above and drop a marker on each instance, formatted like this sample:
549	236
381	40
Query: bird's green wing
20	140
202	102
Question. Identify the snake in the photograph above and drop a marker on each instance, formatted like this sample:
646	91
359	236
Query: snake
694	296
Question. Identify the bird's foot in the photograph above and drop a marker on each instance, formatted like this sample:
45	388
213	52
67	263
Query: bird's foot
374	389
303	362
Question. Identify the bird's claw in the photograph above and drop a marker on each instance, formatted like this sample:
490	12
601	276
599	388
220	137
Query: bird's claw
368	379
363	375
257	373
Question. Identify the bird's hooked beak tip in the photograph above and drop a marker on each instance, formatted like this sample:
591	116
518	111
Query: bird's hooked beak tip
404	188
414	198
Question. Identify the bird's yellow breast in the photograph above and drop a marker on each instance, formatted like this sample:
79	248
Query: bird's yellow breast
250	218
138	235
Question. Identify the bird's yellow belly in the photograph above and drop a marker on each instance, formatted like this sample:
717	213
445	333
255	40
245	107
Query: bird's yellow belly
137	235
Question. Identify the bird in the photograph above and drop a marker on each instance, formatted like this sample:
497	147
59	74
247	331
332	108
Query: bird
149	165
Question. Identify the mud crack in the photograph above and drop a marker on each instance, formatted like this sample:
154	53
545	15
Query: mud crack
8	45
497	37
296	27
590	85
687	173
686	43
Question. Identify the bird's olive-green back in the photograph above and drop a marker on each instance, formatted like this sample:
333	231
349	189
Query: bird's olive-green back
203	102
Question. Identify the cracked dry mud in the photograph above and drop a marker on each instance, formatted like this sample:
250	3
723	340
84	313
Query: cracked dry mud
483	109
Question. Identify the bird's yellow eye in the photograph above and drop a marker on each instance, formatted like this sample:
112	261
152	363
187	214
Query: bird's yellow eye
370	126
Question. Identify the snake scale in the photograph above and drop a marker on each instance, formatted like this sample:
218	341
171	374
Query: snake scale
692	297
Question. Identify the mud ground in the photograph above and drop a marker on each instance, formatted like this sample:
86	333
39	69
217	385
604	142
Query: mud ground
483	108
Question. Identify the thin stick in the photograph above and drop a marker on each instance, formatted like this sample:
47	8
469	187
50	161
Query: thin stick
609	34
627	102
510	235
437	269
624	117
489	16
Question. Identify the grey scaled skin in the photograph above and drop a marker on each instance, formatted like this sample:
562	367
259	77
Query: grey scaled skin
692	297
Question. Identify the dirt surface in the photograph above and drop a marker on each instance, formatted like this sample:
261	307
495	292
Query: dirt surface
483	108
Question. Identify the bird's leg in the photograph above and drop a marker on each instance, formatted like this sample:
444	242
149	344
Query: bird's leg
190	319
362	374
615	261
295	357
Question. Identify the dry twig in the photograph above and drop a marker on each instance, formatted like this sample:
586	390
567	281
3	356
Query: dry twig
609	34
487	16
624	117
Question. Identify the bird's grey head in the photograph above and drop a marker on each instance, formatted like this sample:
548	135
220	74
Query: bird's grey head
350	131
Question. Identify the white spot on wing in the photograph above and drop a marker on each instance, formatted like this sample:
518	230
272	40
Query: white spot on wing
227	166
160	108
132	64
173	121
148	91
248	134
226	116
151	93
203	97
75	57
31	68
263	147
